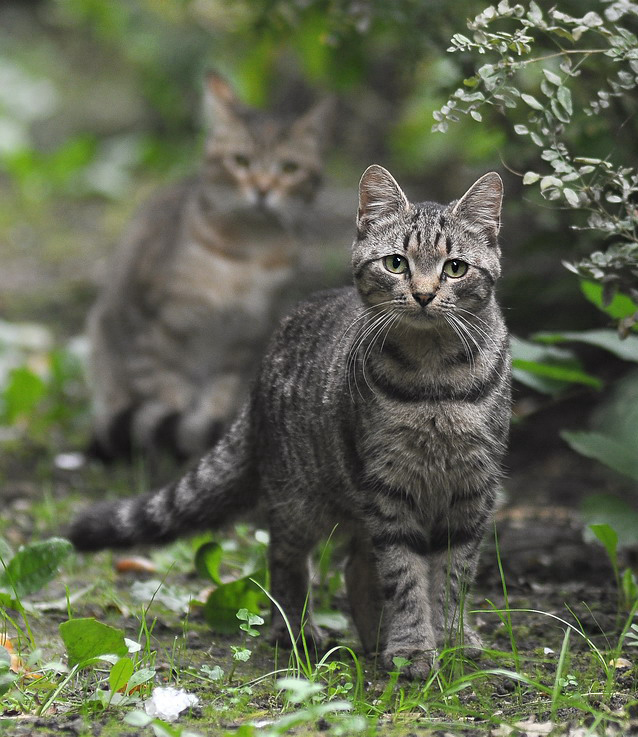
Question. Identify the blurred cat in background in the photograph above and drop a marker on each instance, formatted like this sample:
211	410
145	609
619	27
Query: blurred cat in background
191	295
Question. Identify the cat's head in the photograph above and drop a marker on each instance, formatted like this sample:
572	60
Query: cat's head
426	261
263	161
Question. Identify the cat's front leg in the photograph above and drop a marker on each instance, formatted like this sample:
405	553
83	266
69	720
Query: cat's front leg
404	578
288	562
453	572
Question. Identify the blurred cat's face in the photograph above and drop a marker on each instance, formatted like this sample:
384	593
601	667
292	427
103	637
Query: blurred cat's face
269	164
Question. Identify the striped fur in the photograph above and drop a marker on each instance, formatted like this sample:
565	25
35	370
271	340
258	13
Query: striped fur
372	411
191	298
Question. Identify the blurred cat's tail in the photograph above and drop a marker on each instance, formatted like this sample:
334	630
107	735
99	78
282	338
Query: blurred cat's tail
221	486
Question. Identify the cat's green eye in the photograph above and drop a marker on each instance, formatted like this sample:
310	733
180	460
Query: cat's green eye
455	268
289	167
242	160
396	264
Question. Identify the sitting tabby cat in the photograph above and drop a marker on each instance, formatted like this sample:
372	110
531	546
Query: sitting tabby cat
189	303
383	409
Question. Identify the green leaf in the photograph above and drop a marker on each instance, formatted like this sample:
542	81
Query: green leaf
531	177
609	340
551	77
120	674
223	603
241	653
531	101
608	537
564	96
564	374
137	718
620	306
34	565
208	558
24	391
86	640
571	197
547	369
619	456
143	675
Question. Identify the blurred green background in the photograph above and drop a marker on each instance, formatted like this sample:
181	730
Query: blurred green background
100	104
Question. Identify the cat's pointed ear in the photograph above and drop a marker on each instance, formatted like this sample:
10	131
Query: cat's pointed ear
482	202
220	101
379	196
317	122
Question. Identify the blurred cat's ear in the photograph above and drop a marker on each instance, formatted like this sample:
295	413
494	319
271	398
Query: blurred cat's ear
379	196
317	122
220	101
482	202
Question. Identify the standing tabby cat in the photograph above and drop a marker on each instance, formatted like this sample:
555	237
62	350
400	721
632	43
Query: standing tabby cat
383	409
189	302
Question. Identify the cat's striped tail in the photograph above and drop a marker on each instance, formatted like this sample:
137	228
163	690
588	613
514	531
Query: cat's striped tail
135	431
221	486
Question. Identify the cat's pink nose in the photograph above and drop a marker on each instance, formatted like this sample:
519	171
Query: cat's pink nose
423	298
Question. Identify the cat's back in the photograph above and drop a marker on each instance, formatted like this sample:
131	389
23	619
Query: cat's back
148	245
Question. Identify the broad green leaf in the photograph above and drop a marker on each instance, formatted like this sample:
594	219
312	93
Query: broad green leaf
5	657
120	674
609	340
137	718
34	565
619	456
564	374
620	306
208	558
608	537
531	177
223	603
23	392
86	640
143	675
606	509
7	678
547	369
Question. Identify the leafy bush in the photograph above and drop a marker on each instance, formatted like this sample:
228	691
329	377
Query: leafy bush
552	74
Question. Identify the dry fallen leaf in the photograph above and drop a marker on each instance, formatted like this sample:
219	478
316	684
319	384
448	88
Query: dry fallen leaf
135	563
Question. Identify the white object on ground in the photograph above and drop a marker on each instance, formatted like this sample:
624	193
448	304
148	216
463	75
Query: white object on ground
168	703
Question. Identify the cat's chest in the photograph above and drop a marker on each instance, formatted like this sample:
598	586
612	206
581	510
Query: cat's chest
431	450
205	279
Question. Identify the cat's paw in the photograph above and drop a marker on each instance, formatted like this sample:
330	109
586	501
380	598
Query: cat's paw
420	662
472	643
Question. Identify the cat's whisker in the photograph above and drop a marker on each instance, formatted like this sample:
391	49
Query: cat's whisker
450	320
481	331
375	332
365	331
364	314
483	353
391	317
472	314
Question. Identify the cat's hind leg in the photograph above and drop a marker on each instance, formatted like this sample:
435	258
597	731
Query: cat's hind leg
364	593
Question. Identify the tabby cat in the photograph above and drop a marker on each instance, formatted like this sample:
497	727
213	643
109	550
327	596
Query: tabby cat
383	409
188	305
